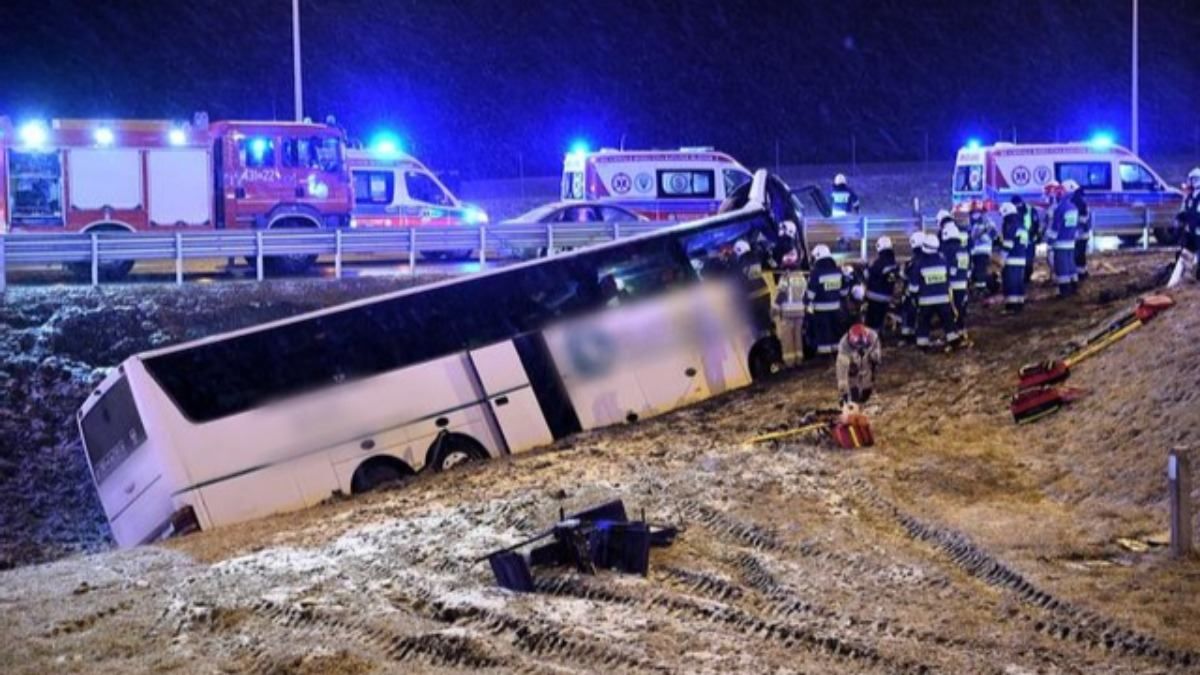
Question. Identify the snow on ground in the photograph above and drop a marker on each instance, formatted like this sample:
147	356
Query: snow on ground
960	543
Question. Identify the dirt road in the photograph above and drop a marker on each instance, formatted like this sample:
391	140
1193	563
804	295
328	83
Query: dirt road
961	543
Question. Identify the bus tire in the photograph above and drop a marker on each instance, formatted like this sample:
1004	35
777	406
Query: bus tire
378	472
766	359
451	450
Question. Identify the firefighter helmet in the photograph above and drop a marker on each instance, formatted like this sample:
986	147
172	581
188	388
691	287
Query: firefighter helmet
1008	209
839	179
859	336
821	251
1069	186
951	232
787	229
1194	176
741	247
915	240
931	243
883	243
943	216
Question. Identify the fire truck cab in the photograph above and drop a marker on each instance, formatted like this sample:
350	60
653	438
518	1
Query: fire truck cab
394	189
160	175
678	184
1110	175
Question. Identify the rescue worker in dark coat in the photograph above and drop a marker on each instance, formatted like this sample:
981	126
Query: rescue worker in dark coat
881	283
1061	237
858	357
1083	235
958	262
827	290
842	199
785	251
930	282
982	235
1189	239
1015	242
756	283
1033	231
908	301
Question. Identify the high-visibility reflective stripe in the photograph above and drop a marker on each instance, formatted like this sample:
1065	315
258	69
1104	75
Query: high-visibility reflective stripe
1014	299
1064	245
982	250
826	349
934	300
827	306
1014	261
1064	279
923	342
878	297
958	285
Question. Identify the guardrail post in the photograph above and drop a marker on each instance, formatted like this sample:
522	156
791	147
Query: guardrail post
482	245
1145	228
178	258
3	271
1179	498
95	259
412	251
337	254
258	255
616	231
863	246
549	239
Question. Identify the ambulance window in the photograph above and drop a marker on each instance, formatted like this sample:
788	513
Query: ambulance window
324	154
374	187
734	179
1136	177
422	188
572	185
675	184
1091	175
968	178
256	152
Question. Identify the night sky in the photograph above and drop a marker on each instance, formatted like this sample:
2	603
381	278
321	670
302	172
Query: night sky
470	85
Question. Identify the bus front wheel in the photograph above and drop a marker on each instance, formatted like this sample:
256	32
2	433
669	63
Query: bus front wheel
452	450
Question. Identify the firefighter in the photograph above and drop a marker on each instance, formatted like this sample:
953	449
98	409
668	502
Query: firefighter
1189	223
1033	233
1083	235
842	198
785	251
827	291
908	302
881	283
1015	241
944	218
756	282
958	263
858	357
982	234
1061	237
930	283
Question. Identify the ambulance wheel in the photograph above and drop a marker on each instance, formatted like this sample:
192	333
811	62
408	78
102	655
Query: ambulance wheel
113	270
452	450
766	359
1167	236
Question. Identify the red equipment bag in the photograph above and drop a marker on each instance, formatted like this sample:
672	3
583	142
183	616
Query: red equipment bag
1031	405
852	433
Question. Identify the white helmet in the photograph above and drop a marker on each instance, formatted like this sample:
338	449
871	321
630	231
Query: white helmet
1008	209
821	251
741	247
1194	175
1069	186
943	216
858	292
883	243
951	232
916	239
839	179
931	243
787	229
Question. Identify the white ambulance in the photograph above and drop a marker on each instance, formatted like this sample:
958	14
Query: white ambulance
678	184
1110	175
394	189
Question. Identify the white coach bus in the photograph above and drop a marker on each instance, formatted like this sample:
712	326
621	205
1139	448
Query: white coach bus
279	416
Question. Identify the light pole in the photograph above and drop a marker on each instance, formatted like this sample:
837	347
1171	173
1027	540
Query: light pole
1133	132
299	90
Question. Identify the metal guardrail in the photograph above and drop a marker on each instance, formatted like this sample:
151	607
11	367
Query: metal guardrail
484	242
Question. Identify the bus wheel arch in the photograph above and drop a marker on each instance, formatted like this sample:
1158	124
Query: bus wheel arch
766	358
377	471
452	449
112	270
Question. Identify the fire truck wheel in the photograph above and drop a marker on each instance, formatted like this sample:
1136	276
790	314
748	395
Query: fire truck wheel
289	264
114	270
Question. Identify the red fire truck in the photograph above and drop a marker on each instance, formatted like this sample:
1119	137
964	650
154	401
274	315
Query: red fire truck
160	175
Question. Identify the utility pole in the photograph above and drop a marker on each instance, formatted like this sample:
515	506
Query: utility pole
1133	132
296	60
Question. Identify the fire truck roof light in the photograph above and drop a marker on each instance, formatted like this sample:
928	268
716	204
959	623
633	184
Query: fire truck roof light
177	137
103	136
33	134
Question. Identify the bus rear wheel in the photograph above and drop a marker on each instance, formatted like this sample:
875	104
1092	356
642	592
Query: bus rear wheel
453	450
378	472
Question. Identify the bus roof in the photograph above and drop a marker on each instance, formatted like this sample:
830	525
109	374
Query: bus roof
748	210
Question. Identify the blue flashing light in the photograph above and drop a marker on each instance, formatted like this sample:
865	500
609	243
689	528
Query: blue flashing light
33	134
176	137
973	144
103	136
1101	140
386	145
579	147
258	147
473	215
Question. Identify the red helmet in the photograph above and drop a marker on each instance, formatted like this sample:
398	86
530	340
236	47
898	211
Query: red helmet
860	336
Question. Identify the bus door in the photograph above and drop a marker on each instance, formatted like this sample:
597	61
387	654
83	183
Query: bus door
511	398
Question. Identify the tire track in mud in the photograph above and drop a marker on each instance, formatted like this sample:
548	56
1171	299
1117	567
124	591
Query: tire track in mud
1059	618
87	621
787	634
